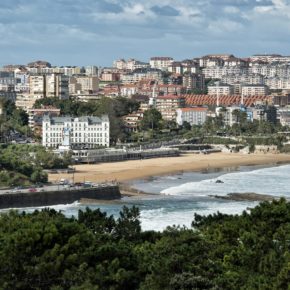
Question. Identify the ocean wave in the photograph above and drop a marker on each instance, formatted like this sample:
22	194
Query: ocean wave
272	181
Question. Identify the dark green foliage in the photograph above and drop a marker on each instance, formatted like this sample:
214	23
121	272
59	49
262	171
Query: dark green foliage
26	162
12	119
151	119
45	250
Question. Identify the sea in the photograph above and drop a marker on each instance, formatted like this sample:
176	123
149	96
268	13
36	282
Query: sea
175	199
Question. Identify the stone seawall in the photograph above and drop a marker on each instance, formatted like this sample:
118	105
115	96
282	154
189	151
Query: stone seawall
45	198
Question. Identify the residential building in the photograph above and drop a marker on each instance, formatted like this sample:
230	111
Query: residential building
217	72
128	90
22	80
167	106
193	81
131	64
278	83
110	76
229	114
220	89
25	101
91	70
193	116
142	74
132	121
37	86
84	84
81	132
175	67
35	117
161	63
281	100
265	112
251	79
255	90
56	85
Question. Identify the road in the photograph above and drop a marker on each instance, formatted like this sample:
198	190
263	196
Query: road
55	187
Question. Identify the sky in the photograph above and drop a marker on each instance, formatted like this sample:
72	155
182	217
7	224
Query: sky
97	32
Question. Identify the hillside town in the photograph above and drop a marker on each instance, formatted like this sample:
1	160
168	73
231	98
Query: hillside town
112	113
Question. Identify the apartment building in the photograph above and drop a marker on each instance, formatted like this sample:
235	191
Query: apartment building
193	81
81	132
37	86
194	116
220	88
128	90
142	74
107	76
131	64
22	80
167	106
83	84
161	63
217	72
91	70
52	85
276	83
25	101
56	85
252	79
66	70
269	58
255	90
271	70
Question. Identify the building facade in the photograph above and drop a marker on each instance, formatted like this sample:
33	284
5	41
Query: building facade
167	106
193	116
81	132
220	89
161	63
255	90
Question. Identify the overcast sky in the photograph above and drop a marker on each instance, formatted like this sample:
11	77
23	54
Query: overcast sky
96	32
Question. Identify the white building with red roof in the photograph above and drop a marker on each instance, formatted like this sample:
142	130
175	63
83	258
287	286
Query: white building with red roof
194	116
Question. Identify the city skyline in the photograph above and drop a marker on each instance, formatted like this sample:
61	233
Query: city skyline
88	32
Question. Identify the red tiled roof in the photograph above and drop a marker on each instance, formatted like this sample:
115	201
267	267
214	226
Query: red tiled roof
170	97
199	100
196	109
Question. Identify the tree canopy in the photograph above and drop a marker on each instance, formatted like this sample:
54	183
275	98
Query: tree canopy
46	250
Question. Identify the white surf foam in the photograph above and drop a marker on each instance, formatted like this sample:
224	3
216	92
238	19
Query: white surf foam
272	181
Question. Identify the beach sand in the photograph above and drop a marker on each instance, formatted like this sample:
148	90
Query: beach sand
139	169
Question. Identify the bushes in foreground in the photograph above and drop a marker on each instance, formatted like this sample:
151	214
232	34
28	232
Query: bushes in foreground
46	250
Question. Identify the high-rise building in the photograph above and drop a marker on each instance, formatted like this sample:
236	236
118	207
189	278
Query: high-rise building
57	86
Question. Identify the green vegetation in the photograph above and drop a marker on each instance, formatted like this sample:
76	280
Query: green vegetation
12	119
24	164
115	108
45	250
151	119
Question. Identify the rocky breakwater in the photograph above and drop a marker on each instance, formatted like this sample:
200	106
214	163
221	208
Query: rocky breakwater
64	196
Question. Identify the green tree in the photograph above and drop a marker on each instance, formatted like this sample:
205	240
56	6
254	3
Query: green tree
151	119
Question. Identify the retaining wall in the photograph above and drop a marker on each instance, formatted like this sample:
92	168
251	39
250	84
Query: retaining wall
45	198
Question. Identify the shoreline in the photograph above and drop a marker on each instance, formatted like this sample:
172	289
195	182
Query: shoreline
126	171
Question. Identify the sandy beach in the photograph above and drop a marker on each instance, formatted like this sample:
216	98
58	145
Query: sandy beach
139	169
